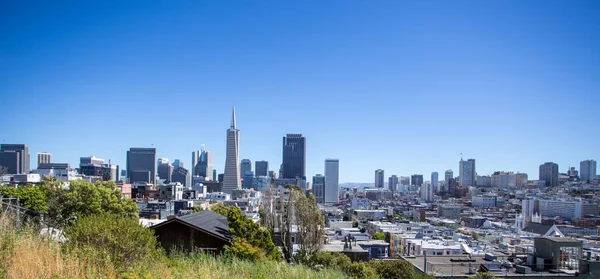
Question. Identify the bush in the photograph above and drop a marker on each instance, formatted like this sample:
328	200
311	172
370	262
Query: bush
379	236
361	270
108	239
240	248
388	269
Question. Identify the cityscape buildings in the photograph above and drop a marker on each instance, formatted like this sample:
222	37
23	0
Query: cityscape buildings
165	171
181	175
261	168
332	180
202	163
319	188
231	177
245	166
416	179
140	165
14	158
434	180
379	178
294	156
393	183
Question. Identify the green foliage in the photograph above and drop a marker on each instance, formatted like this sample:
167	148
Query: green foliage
379	236
355	224
243	227
393	269
241	249
484	275
361	270
30	197
475	236
108	239
83	199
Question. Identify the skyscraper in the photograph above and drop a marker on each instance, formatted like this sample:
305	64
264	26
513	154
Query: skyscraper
231	177
379	178
245	166
165	171
332	180
393	183
177	163
15	158
405	180
467	172
181	175
294	156
318	188
434	180
261	168
140	165
587	170
44	158
549	173
448	175
202	163
416	179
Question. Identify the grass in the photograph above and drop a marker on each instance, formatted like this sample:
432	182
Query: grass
23	254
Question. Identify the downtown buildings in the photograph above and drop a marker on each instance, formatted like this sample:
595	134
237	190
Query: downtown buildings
294	156
44	158
379	178
14	158
202	163
549	173
332	180
587	170
467	172
141	166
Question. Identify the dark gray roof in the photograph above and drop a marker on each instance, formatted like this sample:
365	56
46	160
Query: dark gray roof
537	228
206	221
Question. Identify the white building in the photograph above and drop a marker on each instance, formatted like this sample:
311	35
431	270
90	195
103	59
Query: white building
358	203
567	209
587	170
467	172
370	215
484	201
332	180
427	192
419	247
501	179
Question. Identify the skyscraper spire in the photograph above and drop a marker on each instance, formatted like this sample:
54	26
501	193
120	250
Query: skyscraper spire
233	117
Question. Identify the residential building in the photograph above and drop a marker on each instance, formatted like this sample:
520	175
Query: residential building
484	181
319	188
549	173
405	180
181	175
434	180
449	211
484	201
467	172
261	168
93	166
521	179
587	170
140	165
44	158
416	179
379	178
393	183
294	156
231	177
245	166
14	158
202	163
427	192
502	179
332	180
449	174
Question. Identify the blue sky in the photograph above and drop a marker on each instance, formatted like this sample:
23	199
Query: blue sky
397	85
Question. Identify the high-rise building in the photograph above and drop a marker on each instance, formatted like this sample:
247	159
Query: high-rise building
248	180
467	172
140	165
318	188
245	166
434	180
549	173
393	183
427	192
44	158
181	175
261	168
214	175
272	174
14	158
332	180
202	163
587	170
231	177
294	156
379	178
162	161
416	179
165	171
449	174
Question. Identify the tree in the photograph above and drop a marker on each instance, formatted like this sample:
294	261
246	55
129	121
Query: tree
111	239
243	227
242	249
30	197
475	236
80	199
300	216
484	275
379	236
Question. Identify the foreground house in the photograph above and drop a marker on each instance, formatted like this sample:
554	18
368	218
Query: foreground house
204	230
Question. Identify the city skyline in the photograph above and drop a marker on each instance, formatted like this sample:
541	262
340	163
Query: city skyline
501	75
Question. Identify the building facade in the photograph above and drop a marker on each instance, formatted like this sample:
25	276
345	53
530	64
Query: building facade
14	158
434	180
202	163
165	171
261	168
549	173
140	165
393	183
416	179
294	156
181	175
379	178
587	170
245	166
332	180
319	188
231	177
467	172
44	158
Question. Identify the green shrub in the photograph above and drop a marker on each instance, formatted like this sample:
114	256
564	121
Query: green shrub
241	249
108	239
379	236
393	269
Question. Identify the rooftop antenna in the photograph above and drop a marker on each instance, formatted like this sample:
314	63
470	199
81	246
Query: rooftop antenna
461	156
